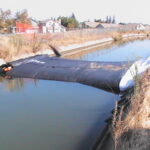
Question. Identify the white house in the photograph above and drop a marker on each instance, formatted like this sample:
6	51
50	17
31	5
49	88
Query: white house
135	26
140	27
50	26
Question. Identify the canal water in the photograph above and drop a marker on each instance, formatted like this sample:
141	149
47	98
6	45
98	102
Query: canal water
52	115
127	51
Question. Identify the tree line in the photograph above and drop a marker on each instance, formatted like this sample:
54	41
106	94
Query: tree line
69	22
8	20
109	19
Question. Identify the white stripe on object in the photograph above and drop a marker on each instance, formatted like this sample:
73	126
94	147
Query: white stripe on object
137	68
29	61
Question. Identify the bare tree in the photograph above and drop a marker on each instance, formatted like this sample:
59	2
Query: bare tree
6	20
23	17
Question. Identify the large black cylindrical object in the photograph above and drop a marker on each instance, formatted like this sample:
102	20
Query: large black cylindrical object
103	75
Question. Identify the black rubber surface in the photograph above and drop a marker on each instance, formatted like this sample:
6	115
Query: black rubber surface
103	75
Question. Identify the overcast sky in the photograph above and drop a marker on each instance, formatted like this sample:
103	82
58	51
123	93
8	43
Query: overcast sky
124	10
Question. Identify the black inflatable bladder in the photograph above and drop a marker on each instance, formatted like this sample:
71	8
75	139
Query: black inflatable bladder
103	75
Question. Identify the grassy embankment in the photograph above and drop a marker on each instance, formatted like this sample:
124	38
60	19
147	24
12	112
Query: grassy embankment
17	46
131	128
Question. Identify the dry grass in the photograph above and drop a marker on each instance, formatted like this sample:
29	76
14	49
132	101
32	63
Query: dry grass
117	36
77	37
14	47
133	132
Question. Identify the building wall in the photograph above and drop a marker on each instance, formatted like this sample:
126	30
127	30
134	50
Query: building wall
52	26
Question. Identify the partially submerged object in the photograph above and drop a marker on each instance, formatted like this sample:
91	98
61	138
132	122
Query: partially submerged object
5	68
112	76
55	50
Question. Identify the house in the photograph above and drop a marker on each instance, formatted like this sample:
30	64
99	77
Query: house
89	24
108	25
147	27
140	27
50	26
26	28
134	26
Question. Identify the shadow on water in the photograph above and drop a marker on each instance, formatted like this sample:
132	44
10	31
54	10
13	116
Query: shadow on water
94	134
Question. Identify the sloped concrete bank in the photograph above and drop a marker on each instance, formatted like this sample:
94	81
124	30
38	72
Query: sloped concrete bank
77	48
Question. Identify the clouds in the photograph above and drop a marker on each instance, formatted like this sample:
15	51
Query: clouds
124	10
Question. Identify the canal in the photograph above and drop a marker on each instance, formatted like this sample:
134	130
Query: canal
52	115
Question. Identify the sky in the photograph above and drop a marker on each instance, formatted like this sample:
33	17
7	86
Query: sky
133	11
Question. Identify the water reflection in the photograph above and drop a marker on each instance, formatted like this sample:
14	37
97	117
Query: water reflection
125	50
16	84
128	52
51	115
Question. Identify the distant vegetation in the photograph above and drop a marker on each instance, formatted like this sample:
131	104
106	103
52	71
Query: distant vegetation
8	20
108	19
18	46
69	22
24	45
